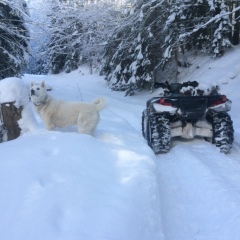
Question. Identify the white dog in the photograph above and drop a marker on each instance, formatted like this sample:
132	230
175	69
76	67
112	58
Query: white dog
56	113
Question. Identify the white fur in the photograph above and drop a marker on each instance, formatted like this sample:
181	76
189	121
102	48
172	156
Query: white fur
55	113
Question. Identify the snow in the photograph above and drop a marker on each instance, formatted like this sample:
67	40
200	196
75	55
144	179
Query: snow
171	18
65	186
14	90
167	53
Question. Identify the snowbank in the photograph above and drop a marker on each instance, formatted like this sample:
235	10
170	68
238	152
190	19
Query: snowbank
14	90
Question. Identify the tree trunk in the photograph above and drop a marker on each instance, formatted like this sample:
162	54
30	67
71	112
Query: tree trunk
176	59
236	30
10	116
91	67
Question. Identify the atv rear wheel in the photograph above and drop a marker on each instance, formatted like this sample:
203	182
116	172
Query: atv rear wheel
158	133
222	127
145	123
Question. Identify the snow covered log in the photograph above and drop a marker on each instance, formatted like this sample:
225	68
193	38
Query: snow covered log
10	115
16	115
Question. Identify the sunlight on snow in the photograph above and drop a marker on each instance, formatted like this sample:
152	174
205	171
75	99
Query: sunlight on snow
110	138
128	161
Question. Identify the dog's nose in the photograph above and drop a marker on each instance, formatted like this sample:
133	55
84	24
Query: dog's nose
32	92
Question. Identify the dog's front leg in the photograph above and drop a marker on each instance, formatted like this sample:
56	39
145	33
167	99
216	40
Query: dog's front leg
48	123
50	126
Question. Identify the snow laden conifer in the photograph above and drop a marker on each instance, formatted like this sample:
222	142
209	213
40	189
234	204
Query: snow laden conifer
134	50
14	37
184	31
79	30
199	25
222	27
63	47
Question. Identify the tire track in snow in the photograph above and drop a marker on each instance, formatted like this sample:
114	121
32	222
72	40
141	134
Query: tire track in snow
235	152
134	124
199	193
118	132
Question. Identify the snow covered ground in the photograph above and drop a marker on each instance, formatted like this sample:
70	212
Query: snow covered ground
61	185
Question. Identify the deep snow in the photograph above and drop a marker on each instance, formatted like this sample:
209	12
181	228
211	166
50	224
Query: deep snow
65	186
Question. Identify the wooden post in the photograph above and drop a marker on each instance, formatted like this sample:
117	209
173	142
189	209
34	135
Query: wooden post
10	116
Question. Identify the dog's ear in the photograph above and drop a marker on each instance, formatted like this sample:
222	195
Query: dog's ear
32	83
43	84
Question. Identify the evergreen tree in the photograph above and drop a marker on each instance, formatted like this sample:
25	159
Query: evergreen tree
185	16
236	22
14	38
79	30
222	27
195	25
62	48
134	51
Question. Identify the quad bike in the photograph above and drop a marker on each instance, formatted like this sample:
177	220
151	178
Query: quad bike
186	111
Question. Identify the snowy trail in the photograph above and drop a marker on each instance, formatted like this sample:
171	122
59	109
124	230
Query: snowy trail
65	186
97	188
199	189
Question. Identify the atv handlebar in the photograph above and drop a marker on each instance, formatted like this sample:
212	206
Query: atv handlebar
176	87
193	84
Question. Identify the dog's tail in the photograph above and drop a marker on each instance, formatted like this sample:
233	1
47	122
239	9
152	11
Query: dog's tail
100	103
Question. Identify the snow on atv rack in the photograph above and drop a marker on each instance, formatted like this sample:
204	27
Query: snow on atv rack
186	111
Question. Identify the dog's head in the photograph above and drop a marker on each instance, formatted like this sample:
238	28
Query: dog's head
38	93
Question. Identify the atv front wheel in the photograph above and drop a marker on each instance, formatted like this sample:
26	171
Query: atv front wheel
159	133
222	127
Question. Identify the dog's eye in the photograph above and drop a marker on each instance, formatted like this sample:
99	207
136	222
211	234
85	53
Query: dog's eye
38	88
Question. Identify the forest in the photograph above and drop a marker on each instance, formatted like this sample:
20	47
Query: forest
134	43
